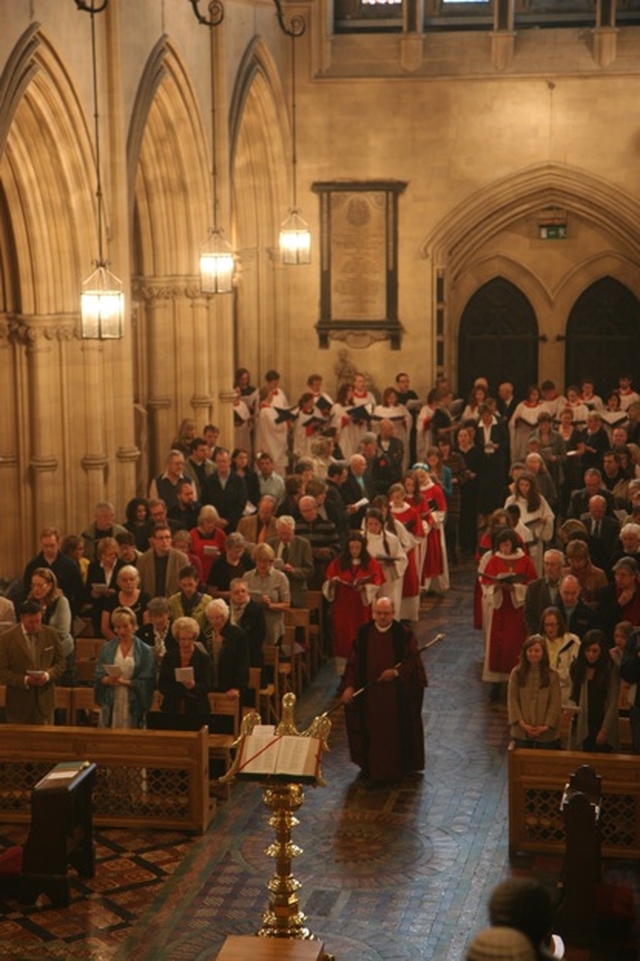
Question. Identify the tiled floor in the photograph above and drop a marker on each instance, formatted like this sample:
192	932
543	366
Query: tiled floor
387	874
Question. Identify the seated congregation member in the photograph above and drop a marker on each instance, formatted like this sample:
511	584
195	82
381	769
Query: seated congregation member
357	490
207	539
128	594
562	647
229	651
185	436
630	672
579	500
188	695
157	632
534	699
544	591
504	582
271	588
353	580
234	562
595	686
226	491
27	648
102	579
535	514
56	612
630	541
505	943
129	553
125	675
165	485
181	540
293	556
525	905
248	615
261	526
189	601
158	515
160	565
384	723
73	547
578	616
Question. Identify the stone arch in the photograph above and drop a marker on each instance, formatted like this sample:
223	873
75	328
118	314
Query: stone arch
260	138
465	248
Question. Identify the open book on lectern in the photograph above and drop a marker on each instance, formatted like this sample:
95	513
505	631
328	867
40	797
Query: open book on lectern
285	757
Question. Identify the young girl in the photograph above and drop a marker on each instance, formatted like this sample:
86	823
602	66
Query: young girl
534	698
353	579
535	513
595	689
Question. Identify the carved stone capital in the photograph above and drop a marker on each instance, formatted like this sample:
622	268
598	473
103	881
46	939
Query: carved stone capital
149	289
94	462
43	463
227	395
128	455
159	403
39	331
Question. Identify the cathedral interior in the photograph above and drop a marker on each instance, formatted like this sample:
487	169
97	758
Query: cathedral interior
468	172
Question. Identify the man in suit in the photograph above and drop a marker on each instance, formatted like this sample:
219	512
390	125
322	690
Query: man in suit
261	526
579	501
226	491
356	487
386	466
31	660
160	566
578	616
543	592
294	557
603	532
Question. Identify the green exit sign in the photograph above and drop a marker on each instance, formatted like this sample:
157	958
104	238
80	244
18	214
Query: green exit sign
553	231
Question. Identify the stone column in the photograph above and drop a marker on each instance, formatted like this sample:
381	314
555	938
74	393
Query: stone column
202	399
94	459
503	36
158	335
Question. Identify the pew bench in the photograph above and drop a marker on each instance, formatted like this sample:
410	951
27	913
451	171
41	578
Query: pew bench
157	779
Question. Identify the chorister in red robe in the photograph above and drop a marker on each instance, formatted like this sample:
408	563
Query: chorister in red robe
504	583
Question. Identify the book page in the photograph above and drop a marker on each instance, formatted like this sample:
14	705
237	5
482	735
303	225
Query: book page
298	756
259	753
113	670
183	674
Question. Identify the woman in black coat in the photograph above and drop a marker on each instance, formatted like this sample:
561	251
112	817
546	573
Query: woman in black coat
188	695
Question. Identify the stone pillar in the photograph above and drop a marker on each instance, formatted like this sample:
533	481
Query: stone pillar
503	36
202	399
158	339
411	40
94	459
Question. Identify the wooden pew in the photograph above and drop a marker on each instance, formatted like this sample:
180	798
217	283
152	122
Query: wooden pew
536	782
156	779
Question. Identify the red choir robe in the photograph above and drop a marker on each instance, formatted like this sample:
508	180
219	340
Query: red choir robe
351	595
505	631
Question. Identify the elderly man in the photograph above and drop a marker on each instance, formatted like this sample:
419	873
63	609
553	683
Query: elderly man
578	616
160	566
384	722
543	592
261	526
31	659
294	557
630	540
103	526
603	531
357	491
322	536
386	466
165	485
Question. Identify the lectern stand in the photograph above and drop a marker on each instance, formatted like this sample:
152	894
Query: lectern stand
61	833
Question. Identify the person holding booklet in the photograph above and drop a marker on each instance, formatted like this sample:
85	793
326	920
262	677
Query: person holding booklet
384	721
353	579
125	675
186	673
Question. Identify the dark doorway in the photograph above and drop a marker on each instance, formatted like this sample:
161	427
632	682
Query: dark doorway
498	338
603	335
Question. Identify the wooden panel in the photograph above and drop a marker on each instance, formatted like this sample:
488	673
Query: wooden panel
144	777
239	948
536	782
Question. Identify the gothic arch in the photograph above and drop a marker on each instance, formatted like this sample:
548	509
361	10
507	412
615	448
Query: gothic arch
260	151
465	249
